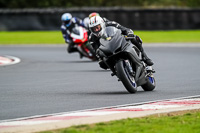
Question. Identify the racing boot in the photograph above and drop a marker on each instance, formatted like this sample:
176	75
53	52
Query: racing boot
138	43
146	59
81	55
71	48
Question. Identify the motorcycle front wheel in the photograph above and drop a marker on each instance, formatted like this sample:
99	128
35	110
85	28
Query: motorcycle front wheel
89	52
124	75
150	85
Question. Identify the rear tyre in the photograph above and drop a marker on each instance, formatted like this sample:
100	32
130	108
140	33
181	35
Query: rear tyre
126	78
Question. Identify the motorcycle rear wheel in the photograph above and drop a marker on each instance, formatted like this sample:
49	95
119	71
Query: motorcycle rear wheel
127	79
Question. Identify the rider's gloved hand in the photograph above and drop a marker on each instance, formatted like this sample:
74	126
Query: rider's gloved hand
138	39
130	33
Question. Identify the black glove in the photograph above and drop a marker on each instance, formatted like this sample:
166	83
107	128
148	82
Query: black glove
130	33
138	39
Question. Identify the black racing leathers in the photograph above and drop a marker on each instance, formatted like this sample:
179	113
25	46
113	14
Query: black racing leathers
94	40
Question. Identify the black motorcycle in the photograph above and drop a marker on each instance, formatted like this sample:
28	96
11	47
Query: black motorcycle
124	60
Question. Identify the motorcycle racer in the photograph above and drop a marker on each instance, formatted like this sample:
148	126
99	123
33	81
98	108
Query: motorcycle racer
68	22
97	26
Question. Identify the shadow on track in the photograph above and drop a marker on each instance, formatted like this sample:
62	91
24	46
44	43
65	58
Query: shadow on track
93	70
111	93
116	93
80	61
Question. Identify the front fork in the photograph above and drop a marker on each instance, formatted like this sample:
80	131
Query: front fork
129	68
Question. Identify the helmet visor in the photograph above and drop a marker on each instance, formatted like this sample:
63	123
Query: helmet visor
96	29
66	22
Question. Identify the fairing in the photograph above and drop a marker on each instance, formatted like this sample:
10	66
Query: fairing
79	35
112	41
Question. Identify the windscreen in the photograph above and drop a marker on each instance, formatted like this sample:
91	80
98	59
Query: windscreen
109	32
75	30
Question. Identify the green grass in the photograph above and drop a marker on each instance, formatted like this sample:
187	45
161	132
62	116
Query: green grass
32	37
170	36
55	37
187	123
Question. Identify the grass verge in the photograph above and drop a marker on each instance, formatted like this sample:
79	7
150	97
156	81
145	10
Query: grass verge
55	37
184	123
175	36
31	37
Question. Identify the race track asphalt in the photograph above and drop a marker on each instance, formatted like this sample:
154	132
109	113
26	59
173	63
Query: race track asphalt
49	80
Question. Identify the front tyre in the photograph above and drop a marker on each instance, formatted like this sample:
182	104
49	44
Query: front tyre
150	85
124	75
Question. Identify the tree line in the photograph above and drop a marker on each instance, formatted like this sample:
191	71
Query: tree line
97	3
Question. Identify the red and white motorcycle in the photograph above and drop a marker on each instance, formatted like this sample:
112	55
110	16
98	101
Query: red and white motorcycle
79	36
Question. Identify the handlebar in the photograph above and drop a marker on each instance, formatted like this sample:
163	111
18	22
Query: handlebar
129	37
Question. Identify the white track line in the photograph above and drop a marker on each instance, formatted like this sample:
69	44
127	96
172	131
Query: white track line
9	60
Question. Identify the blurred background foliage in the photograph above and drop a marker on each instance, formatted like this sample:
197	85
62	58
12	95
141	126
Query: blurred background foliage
98	3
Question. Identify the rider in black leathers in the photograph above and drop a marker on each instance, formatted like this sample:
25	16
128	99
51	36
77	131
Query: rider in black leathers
94	37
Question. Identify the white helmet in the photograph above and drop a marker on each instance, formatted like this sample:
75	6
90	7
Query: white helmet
86	22
97	26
